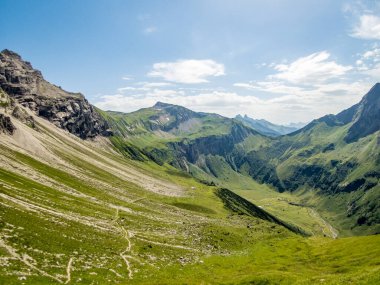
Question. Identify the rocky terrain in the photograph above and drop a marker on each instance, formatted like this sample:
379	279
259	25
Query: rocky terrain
70	111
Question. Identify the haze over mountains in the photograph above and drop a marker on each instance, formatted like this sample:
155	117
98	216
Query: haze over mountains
167	195
267	128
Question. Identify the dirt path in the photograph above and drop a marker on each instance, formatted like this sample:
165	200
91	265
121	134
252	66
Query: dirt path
123	255
91	222
68	270
332	231
14	254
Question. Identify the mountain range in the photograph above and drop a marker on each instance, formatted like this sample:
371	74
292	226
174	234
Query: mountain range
320	160
166	195
267	128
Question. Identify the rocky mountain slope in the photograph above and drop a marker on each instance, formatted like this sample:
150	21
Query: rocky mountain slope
70	111
266	128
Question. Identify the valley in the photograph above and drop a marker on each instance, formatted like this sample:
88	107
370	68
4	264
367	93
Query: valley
166	195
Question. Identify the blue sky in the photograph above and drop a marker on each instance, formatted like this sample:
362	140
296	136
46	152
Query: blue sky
285	61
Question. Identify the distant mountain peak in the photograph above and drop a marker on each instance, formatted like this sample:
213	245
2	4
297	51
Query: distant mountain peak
265	127
12	60
8	52
160	104
366	117
373	93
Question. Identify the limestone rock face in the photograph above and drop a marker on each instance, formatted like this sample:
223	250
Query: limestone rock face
69	111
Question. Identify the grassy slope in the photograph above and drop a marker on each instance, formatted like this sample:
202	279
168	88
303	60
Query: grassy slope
69	212
299	208
335	206
134	126
287	261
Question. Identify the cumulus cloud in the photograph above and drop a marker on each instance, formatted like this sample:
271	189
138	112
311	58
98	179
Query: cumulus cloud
143	86
270	86
302	90
316	90
303	104
367	28
374	72
187	71
310	87
310	69
154	84
369	63
375	54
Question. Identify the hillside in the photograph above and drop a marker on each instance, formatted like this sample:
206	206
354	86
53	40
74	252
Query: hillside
95	197
341	164
327	166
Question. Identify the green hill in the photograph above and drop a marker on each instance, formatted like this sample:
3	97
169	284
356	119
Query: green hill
327	166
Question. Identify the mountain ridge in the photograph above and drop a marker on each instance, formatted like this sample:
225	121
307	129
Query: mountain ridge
213	148
70	111
265	127
288	163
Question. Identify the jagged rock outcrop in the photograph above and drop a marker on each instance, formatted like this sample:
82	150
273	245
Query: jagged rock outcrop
69	111
6	125
20	114
367	115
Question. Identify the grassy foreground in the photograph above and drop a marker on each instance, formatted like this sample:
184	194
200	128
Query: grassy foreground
76	212
295	260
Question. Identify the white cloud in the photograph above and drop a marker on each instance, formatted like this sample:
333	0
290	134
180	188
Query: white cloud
303	104
150	30
367	28
337	88
131	88
127	78
270	86
370	62
374	72
375	53
154	84
187	71
143	86
310	87
302	90
359	62
310	69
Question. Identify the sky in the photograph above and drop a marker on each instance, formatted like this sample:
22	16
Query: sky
283	61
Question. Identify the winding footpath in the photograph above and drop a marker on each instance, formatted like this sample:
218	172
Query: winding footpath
68	270
123	254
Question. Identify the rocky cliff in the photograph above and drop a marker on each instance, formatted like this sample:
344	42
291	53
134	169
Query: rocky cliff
69	111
